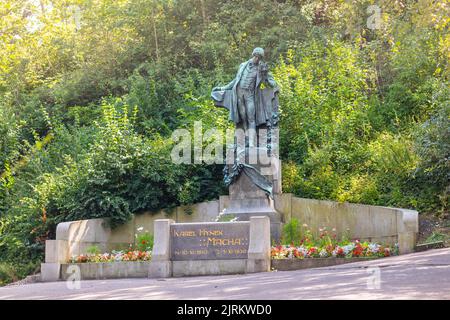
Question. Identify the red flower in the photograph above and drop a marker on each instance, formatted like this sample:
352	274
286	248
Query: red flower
358	250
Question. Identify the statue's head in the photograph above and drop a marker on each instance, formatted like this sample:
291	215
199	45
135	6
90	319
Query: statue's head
258	52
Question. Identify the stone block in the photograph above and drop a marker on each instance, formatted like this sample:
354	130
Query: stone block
383	221
315	213
108	270
67	230
208	267
224	202
298	264
258	265
56	251
160	269
406	242
244	188
355	219
50	272
259	245
283	205
161	247
407	220
83	230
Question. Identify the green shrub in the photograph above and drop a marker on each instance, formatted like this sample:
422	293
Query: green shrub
291	232
435	237
144	241
93	250
7	274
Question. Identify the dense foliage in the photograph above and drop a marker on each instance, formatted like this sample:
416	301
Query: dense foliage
90	92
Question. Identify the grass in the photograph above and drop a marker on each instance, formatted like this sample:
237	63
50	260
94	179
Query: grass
435	237
7	274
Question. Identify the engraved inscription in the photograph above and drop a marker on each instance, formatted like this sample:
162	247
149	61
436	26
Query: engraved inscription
209	241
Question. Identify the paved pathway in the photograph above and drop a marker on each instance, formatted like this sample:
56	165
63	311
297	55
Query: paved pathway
424	275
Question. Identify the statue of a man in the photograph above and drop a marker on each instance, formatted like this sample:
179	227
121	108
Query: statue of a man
243	96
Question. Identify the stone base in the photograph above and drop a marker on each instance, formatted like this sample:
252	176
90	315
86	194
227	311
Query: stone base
208	267
275	221
160	269
298	264
406	242
107	270
258	265
50	272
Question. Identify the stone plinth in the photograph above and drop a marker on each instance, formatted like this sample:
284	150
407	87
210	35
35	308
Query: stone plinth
246	199
259	245
161	266
50	272
192	249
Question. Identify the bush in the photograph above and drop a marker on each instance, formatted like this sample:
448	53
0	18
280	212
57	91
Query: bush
7	274
144	242
291	232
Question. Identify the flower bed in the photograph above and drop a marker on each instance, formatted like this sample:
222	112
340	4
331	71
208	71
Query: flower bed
114	256
353	249
317	254
304	245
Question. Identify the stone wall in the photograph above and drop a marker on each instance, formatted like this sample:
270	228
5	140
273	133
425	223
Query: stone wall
80	235
365	222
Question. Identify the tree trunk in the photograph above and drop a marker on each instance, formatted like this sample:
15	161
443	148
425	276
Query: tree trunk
155	34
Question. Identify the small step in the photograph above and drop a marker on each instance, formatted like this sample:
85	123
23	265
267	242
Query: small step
429	245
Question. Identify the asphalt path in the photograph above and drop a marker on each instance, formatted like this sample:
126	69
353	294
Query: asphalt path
422	275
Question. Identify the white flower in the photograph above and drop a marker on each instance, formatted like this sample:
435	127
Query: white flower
323	253
303	251
140	229
334	253
348	248
374	247
118	256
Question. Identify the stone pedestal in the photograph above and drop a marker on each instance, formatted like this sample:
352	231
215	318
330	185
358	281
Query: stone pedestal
259	245
50	271
246	199
161	265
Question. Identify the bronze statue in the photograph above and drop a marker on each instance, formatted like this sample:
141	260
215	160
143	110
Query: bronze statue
249	105
252	101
